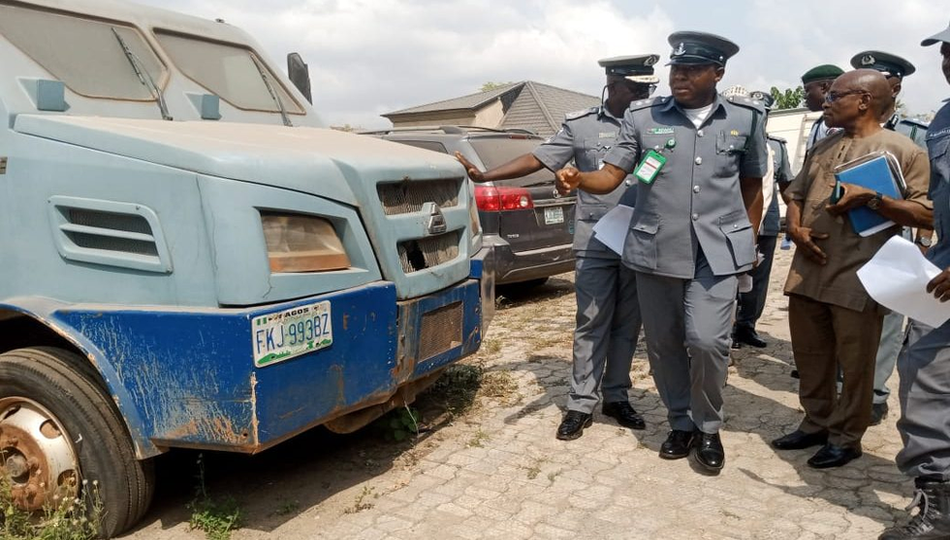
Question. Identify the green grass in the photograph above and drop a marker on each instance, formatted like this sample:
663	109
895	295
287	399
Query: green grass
66	519
217	517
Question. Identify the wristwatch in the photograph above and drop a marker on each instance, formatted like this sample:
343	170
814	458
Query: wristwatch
924	241
875	203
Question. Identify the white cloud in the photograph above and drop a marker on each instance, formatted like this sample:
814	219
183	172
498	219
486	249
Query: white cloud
369	57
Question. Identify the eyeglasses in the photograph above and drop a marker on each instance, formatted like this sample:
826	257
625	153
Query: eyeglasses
832	97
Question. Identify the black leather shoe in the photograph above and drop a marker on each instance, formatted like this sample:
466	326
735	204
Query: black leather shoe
677	444
625	414
878	413
573	425
832	455
748	336
736	345
709	451
798	440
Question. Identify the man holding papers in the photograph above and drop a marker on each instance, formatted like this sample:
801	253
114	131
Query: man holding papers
924	362
834	323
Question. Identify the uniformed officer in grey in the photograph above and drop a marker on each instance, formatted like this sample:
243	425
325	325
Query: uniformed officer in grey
699	160
608	314
924	361
895	69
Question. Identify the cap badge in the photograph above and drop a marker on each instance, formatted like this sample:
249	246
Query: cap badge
868	60
680	49
649	61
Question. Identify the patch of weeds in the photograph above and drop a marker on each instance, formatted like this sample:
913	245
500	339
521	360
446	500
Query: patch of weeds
534	469
499	385
478	439
287	508
65	518
217	517
455	390
361	503
491	346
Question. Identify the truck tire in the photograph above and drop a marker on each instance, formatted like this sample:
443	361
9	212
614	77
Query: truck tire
62	436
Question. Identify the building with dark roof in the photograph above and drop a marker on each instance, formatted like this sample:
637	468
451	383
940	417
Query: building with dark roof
523	105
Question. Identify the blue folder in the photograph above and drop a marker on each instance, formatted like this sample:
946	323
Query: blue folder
878	172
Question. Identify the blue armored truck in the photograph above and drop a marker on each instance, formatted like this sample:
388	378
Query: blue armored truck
191	260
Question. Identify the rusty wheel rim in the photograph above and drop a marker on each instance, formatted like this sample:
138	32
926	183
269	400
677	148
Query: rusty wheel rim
36	455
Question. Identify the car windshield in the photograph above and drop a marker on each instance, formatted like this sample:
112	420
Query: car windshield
498	150
230	71
83	53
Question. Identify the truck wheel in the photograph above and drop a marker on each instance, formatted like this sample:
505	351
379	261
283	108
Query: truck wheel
62	436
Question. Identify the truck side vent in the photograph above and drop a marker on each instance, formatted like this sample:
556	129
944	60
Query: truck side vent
409	196
109	233
422	253
441	330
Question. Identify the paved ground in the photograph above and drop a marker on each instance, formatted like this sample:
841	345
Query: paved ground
496	471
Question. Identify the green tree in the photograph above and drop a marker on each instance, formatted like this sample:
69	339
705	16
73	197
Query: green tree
492	85
789	99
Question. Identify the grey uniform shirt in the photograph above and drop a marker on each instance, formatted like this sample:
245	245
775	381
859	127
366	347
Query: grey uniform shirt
782	173
938	148
695	201
586	137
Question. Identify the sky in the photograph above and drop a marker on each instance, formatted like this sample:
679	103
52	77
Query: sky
369	57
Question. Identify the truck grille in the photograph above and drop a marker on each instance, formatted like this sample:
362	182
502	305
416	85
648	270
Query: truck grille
441	330
408	197
422	253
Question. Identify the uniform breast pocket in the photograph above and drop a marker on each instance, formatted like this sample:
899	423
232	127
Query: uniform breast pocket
729	151
640	247
937	149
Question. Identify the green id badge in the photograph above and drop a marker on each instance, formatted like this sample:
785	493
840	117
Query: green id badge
651	165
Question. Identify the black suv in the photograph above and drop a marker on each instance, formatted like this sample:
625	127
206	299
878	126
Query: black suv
530	229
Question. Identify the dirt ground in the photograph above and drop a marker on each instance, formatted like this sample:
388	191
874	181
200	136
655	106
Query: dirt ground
487	465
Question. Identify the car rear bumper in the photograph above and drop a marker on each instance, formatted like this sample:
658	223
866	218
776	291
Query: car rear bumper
514	267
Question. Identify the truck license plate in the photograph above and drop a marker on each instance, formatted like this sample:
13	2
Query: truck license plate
553	215
276	337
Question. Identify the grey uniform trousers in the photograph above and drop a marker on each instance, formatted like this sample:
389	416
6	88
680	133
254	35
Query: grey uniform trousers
752	304
924	392
892	335
687	335
605	336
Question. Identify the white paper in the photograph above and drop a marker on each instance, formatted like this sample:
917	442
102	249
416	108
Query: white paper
611	229
897	276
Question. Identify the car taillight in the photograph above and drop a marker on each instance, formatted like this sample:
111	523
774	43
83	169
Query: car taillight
496	199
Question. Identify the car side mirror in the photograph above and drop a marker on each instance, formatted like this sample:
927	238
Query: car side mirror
299	74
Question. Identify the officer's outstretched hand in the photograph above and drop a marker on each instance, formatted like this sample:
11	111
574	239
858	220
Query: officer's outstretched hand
472	170
568	179
940	286
805	238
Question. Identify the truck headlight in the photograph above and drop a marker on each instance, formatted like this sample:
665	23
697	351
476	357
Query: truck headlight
297	243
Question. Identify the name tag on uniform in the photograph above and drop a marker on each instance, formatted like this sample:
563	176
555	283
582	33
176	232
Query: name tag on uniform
651	165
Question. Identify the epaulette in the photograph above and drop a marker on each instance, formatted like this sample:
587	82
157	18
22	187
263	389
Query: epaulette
747	102
578	114
778	139
649	102
914	121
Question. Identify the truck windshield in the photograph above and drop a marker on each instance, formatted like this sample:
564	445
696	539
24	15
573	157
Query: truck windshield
495	151
232	72
82	53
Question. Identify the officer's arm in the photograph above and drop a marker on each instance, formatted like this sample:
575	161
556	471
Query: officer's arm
516	168
752	198
598	182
